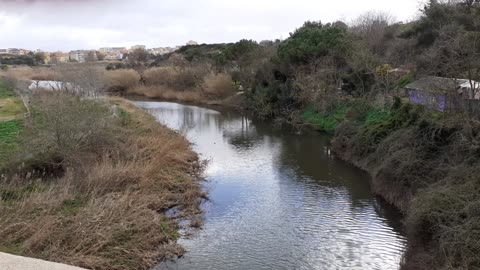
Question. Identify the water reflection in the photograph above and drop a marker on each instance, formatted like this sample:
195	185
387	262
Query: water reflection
279	200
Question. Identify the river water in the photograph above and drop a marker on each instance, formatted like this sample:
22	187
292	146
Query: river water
279	200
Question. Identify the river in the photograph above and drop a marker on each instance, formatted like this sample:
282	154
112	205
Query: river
279	200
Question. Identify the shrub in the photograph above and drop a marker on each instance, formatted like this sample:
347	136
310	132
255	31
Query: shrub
314	40
448	214
181	80
64	127
218	85
122	80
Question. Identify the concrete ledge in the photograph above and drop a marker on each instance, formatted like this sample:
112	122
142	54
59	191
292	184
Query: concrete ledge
12	262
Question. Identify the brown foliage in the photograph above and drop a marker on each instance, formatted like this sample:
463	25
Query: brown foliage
177	79
168	94
122	80
218	85
107	210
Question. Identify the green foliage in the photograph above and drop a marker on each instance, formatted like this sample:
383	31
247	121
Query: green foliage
220	54
380	124
322	122
236	50
8	59
5	90
271	100
125	117
314	40
404	80
115	66
377	116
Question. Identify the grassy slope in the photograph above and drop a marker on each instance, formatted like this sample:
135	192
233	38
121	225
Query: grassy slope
110	213
9	131
10	107
427	164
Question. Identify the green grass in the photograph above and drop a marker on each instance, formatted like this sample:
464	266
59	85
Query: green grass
9	131
325	122
5	91
11	107
375	116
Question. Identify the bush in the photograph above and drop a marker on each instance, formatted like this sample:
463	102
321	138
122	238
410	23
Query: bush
218	86
314	40
181	80
448	213
122	80
64	127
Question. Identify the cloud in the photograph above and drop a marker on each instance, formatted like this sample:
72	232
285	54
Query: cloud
75	24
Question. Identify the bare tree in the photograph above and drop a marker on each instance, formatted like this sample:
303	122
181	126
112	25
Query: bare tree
81	79
318	83
137	59
372	27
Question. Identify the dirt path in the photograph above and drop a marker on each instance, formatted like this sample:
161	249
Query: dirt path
12	262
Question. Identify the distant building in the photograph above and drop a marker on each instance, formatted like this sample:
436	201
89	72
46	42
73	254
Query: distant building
192	42
113	56
3	51
47	59
161	50
442	93
83	56
59	57
107	50
77	56
136	47
15	51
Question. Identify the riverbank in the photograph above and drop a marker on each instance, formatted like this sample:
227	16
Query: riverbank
89	182
426	164
275	193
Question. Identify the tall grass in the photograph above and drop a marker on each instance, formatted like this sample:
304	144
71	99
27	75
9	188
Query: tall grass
96	196
122	80
218	86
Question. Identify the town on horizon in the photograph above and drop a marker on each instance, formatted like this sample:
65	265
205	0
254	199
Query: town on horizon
104	53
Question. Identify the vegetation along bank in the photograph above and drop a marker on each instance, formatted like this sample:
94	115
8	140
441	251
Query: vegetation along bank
87	181
400	98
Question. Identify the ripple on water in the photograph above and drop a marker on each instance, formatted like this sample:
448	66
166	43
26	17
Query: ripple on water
278	200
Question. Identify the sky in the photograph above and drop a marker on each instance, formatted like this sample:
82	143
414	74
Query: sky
65	25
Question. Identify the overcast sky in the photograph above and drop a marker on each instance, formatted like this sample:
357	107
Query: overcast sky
90	24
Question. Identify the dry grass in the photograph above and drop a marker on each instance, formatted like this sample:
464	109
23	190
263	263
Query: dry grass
218	85
183	79
166	93
105	209
122	80
30	73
